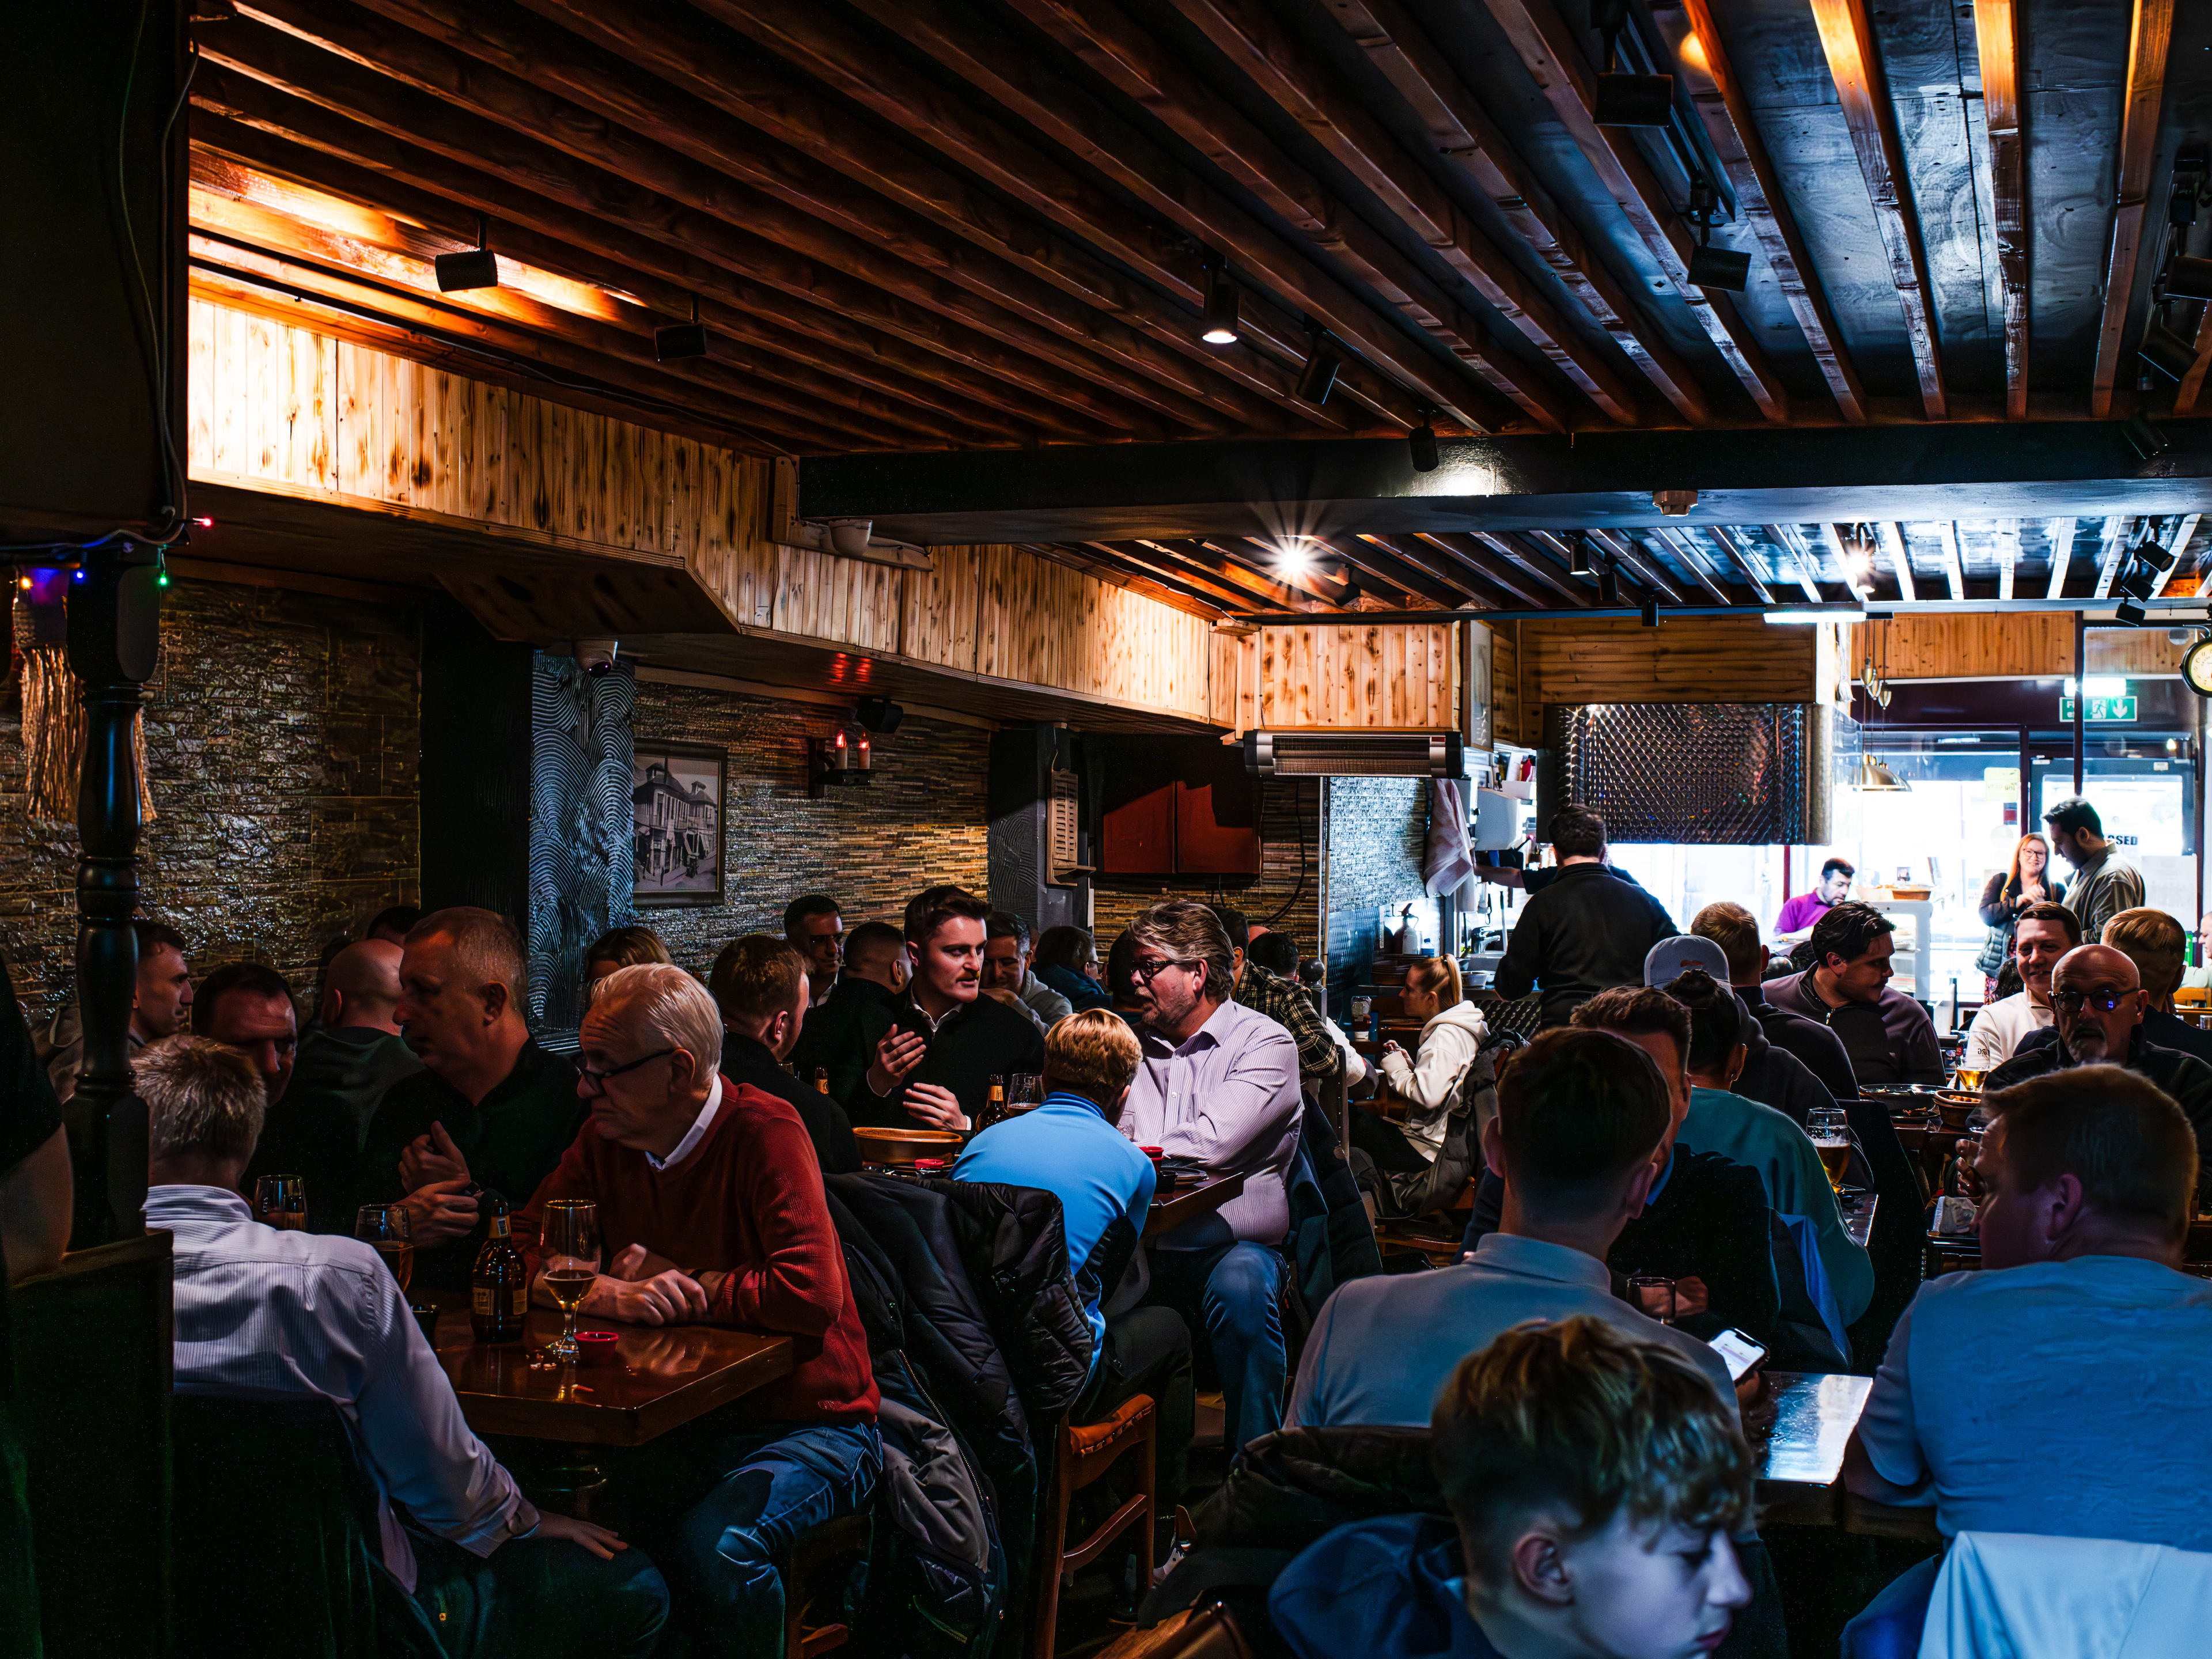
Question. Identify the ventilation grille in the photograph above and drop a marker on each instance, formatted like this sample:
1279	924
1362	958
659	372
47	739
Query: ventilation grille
1059	829
1739	774
1354	754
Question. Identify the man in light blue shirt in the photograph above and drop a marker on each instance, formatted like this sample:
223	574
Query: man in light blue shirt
1069	1146
1581	1116
1219	1083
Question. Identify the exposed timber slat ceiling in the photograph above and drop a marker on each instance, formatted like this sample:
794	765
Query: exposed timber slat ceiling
962	225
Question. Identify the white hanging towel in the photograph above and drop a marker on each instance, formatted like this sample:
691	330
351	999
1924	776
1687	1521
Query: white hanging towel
1449	863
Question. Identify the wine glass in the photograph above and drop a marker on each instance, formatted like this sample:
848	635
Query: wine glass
1829	1129
570	1264
387	1227
281	1201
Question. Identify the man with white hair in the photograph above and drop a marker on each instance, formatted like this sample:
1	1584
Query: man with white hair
711	1210
491	1107
263	1313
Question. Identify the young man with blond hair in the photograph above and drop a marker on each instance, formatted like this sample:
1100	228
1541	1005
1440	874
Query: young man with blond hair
1594	1483
1069	1146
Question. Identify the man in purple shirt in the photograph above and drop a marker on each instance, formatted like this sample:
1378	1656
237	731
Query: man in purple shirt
1218	1082
1800	912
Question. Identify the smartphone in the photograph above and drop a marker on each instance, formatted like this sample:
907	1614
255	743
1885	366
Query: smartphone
1740	1352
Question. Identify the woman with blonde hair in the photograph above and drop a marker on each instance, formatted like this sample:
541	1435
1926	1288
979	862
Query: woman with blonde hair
2008	894
1406	1156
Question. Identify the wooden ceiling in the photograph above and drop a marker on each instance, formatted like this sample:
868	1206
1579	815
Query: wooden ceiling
926	225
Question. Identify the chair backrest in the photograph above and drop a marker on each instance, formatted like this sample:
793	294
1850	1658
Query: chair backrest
275	1544
1208	1632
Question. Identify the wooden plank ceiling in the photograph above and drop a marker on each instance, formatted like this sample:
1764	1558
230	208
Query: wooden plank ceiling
926	225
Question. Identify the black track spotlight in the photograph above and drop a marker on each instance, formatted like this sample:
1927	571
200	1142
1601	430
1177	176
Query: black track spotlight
1220	324
681	340
1609	583
1578	555
477	268
1318	378
2166	352
880	714
2145	436
1651	613
2189	278
1626	100
2129	614
1421	443
1710	266
2137	583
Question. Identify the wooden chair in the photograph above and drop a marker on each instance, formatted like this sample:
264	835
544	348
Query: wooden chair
820	1557
1084	1453
1208	1632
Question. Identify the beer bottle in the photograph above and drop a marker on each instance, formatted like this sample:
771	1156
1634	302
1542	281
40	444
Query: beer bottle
822	1079
499	1287
994	1109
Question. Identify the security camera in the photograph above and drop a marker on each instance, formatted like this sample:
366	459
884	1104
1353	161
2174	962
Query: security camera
597	657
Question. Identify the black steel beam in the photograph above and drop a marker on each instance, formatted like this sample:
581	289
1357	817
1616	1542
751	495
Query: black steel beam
1339	487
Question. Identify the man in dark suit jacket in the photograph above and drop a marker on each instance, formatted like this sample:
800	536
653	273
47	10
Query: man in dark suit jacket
841	1032
760	985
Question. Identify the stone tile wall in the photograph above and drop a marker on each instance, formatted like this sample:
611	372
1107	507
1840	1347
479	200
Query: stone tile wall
1377	830
920	820
281	742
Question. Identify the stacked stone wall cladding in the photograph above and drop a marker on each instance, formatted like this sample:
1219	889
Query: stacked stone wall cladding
919	820
282	742
1377	831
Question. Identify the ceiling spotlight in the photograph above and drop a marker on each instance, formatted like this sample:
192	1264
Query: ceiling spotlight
681	340
1421	441
2189	278
1626	100
2136	584
1651	613
1220	328
1578	555
477	268
880	714
2129	614
2145	436
1609	583
1710	266
1318	378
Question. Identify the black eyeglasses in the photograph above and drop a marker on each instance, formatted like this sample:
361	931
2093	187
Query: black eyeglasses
2103	1000
598	1080
1149	971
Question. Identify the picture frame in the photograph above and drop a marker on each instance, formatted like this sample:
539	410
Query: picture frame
677	796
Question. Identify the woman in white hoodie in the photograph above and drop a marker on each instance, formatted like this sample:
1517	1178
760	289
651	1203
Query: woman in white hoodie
1429	1083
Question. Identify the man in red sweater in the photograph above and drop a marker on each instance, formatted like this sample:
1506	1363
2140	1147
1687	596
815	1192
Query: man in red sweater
711	1210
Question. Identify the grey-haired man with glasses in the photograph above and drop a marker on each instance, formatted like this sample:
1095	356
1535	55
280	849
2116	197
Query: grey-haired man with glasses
1217	1083
2099	1002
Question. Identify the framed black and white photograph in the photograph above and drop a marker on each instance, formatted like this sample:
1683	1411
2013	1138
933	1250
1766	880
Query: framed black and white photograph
676	800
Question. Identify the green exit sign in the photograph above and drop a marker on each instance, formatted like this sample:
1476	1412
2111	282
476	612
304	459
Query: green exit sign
2099	708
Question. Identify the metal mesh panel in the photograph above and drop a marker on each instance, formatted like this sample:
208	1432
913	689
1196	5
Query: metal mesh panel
1705	774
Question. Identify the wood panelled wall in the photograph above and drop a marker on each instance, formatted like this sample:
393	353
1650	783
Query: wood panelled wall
2007	645
1694	659
1376	676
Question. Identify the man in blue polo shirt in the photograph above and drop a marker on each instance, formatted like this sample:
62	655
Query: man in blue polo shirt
1069	1146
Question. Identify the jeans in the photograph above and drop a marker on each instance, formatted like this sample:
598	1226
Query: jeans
1230	1292
728	1549
539	1598
1147	1351
1888	1627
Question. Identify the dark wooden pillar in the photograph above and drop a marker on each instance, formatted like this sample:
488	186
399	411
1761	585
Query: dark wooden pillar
475	780
114	627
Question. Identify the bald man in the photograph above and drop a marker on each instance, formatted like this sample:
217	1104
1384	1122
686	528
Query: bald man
344	1066
2098	1000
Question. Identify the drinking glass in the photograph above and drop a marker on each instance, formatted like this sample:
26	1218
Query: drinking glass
1650	1293
571	1264
1830	1128
1968	1077
281	1201
1024	1088
387	1227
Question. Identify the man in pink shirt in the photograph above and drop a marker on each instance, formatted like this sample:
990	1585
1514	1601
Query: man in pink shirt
1799	915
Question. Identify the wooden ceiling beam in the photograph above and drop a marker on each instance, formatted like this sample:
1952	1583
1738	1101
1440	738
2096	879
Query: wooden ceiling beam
270	129
2058	536
1091	558
1732	541
537	79
2114	540
1687	554
1399	372
852	65
222	206
1643	564
1261	555
1501	582
1954	567
1727	112
1461	129
1204	557
632	52
1373	556
753	419
1858	568
2008	532
1899	553
2150	33
2177	544
1123	52
1143	557
1257	44
1439	563
1527	574
1790	539
416	90
1996	41
2192	383
1553	56
1846	33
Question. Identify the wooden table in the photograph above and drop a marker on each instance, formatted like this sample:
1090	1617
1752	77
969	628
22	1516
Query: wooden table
1800	1473
1189	1203
662	1376
1859	1210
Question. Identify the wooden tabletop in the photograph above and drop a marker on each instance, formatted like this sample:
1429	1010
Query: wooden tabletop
1815	1414
1189	1203
661	1377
